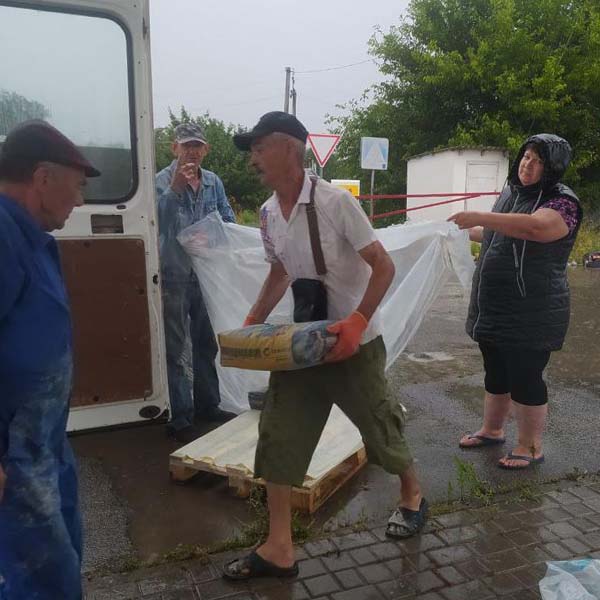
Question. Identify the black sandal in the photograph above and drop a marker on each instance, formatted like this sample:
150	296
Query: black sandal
254	565
405	523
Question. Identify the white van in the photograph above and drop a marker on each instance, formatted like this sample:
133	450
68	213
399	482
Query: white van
84	66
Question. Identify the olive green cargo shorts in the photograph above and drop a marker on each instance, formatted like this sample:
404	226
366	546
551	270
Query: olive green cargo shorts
297	406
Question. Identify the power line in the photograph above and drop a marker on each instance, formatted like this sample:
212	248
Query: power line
362	62
228	88
250	101
206	108
320	100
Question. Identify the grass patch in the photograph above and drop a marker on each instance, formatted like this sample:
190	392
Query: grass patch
473	489
445	508
576	474
588	240
133	563
362	523
358	524
255	531
530	492
470	485
247	217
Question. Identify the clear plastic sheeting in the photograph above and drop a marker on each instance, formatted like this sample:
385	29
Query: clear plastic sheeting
229	262
571	580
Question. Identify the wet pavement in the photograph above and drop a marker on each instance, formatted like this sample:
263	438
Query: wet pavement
147	513
497	551
130	506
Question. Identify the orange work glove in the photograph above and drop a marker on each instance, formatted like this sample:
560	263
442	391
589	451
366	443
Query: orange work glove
250	320
349	332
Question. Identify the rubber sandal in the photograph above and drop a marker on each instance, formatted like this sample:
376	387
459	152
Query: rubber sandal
484	440
405	523
530	460
254	565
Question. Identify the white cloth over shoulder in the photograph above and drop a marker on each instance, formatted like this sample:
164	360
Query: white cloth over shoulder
229	260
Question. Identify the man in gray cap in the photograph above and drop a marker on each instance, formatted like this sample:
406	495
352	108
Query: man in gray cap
42	175
186	194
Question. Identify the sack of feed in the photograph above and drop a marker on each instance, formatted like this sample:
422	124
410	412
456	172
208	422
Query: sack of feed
269	347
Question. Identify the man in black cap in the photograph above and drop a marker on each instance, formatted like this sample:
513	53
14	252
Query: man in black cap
42	175
186	194
350	275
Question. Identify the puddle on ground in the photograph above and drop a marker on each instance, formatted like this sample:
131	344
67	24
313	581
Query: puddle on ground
429	356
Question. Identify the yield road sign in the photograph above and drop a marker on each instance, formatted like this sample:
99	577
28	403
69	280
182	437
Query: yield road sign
374	153
323	145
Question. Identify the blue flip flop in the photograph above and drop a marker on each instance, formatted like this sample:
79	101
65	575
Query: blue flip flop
530	460
485	441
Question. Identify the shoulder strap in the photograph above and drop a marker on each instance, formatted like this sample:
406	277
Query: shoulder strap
313	229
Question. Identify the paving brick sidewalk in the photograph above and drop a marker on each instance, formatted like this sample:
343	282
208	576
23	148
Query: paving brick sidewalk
492	552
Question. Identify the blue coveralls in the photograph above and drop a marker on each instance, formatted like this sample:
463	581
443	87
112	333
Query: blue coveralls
40	526
183	306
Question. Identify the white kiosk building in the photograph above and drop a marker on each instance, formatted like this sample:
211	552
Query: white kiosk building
454	171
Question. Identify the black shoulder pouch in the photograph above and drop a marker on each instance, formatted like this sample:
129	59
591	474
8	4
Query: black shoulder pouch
310	300
310	295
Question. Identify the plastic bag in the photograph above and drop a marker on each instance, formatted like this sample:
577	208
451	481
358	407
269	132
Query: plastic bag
571	580
229	261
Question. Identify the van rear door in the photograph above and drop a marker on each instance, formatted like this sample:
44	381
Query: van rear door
84	66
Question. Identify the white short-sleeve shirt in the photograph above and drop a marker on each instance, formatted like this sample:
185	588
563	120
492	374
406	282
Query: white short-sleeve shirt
344	229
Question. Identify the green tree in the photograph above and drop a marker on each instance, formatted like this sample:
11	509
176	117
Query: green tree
241	182
483	72
15	109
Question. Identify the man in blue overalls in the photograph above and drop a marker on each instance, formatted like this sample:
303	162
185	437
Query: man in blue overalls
41	179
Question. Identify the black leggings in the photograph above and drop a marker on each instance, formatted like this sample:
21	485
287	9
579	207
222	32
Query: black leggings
516	371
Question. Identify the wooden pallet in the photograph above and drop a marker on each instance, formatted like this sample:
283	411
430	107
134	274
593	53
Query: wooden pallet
229	451
310	497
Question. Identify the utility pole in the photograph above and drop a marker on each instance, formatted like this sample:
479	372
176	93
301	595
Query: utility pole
294	95
286	101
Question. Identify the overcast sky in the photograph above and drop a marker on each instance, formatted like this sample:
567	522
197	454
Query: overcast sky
228	57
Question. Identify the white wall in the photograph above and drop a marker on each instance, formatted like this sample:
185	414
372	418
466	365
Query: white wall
454	171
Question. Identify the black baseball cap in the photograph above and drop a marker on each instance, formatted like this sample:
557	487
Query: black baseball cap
36	141
273	122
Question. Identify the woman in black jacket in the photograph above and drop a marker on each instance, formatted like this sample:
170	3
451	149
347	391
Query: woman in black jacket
519	309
